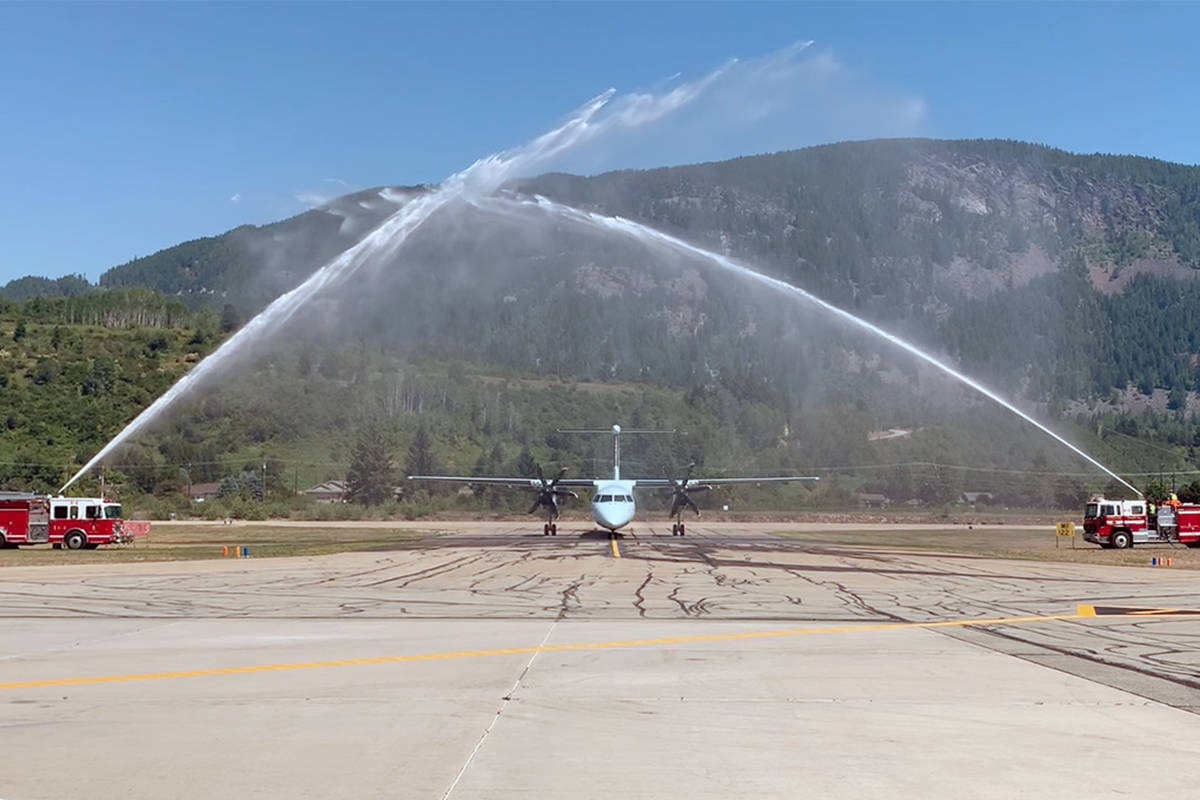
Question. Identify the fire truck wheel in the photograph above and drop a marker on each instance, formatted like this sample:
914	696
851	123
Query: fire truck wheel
1192	545
75	540
1120	540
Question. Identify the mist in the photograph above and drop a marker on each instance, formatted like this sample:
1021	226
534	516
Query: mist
477	271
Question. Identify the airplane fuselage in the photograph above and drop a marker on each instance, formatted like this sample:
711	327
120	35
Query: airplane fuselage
612	504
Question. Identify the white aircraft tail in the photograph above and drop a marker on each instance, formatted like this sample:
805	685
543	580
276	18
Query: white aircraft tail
616	432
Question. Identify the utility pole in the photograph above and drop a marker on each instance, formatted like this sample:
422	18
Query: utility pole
264	483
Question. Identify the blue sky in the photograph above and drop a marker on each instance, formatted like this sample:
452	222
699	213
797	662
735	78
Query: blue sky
128	128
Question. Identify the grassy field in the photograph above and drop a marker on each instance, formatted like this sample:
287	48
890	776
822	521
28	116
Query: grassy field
999	541
184	542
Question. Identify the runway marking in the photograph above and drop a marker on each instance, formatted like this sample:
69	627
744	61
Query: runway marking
1081	612
616	551
1126	611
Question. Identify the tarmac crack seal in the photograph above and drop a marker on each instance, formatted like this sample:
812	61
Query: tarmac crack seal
504	701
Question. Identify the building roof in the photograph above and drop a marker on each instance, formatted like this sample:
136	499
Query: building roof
328	487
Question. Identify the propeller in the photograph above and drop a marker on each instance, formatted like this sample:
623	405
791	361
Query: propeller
679	493
548	494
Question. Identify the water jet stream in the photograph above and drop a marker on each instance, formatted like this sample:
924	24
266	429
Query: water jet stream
649	236
599	116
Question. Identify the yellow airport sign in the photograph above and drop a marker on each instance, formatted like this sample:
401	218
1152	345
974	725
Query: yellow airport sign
1064	528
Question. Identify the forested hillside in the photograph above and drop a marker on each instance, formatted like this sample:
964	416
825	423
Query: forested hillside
71	374
1065	281
958	243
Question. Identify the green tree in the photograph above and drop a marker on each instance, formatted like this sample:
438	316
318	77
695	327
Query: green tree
526	464
19	331
1190	493
1156	490
370	479
420	454
230	320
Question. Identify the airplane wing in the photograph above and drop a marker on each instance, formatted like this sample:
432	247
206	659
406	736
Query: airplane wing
534	483
667	483
720	481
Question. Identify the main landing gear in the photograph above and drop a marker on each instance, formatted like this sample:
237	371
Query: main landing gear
549	529
678	529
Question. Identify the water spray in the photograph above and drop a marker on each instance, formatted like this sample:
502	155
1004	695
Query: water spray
603	114
649	236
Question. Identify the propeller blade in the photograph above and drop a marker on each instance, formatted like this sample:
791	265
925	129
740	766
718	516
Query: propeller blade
565	493
559	477
676	506
540	476
536	504
692	505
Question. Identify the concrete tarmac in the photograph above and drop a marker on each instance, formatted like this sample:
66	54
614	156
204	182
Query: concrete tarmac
494	662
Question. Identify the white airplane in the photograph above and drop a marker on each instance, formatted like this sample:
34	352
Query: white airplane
613	506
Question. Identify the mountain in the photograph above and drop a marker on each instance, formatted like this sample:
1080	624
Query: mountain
1066	281
34	286
957	243
251	265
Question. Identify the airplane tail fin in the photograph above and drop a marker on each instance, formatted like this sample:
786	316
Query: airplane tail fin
616	431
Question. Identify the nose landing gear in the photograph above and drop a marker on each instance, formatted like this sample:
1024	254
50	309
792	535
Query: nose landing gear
678	529
549	529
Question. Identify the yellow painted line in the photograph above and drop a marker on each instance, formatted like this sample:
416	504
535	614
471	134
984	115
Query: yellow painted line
549	648
1085	610
616	551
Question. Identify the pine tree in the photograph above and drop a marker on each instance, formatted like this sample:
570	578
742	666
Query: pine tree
370	478
526	464
229	318
420	454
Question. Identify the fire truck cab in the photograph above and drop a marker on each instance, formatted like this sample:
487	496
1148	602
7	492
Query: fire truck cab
1123	523
73	523
85	522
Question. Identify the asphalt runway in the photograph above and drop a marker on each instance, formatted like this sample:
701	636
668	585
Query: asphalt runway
494	662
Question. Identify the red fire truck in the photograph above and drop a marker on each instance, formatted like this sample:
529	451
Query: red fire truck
24	518
1124	523
71	522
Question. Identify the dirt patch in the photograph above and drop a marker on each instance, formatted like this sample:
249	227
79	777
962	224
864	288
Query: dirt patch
1111	279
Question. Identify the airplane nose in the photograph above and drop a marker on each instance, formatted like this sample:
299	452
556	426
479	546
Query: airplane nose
604	517
612	516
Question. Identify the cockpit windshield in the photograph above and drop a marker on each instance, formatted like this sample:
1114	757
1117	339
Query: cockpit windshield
1092	510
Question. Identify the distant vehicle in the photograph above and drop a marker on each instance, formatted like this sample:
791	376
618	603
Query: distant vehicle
613	505
72	522
1123	523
